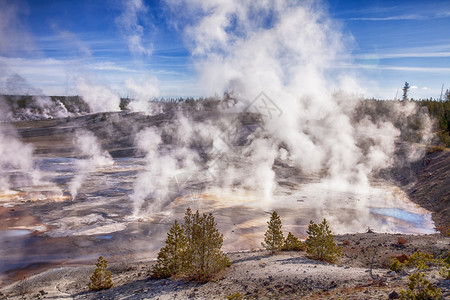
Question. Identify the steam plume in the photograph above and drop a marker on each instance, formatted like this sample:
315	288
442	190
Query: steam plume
289	50
161	166
99	97
15	158
39	107
141	93
94	157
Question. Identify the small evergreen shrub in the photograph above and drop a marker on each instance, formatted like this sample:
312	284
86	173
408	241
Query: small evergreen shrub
420	288
203	258
396	265
192	250
421	260
445	272
101	279
235	296
292	243
418	259
320	244
170	259
273	238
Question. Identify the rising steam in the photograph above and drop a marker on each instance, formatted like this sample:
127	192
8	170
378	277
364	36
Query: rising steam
142	92
93	157
39	105
98	96
290	50
161	166
16	158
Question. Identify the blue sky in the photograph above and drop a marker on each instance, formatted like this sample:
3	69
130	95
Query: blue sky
50	43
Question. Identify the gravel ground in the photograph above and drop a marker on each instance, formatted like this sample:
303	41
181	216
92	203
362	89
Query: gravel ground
253	275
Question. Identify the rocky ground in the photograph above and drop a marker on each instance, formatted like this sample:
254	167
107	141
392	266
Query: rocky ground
254	275
431	187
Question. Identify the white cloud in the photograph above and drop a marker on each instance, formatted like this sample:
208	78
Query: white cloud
402	54
128	22
391	18
415	16
110	66
43	73
56	77
14	36
413	87
74	42
396	68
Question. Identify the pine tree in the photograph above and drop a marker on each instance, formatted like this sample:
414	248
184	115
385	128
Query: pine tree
320	244
192	249
170	258
101	279
292	243
203	256
273	238
405	91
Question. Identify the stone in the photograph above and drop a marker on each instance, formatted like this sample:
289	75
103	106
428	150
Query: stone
402	258
394	295
401	241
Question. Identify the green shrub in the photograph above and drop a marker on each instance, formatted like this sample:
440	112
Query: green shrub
421	260
203	258
273	238
420	288
292	243
101	279
445	272
170	258
320	244
396	265
235	296
418	259
192	250
446	260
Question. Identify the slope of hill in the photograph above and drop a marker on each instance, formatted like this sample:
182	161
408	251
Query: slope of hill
431	187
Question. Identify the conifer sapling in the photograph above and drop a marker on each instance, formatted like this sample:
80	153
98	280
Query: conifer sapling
273	238
320	244
101	279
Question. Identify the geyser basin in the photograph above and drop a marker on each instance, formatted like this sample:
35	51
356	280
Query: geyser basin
99	221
